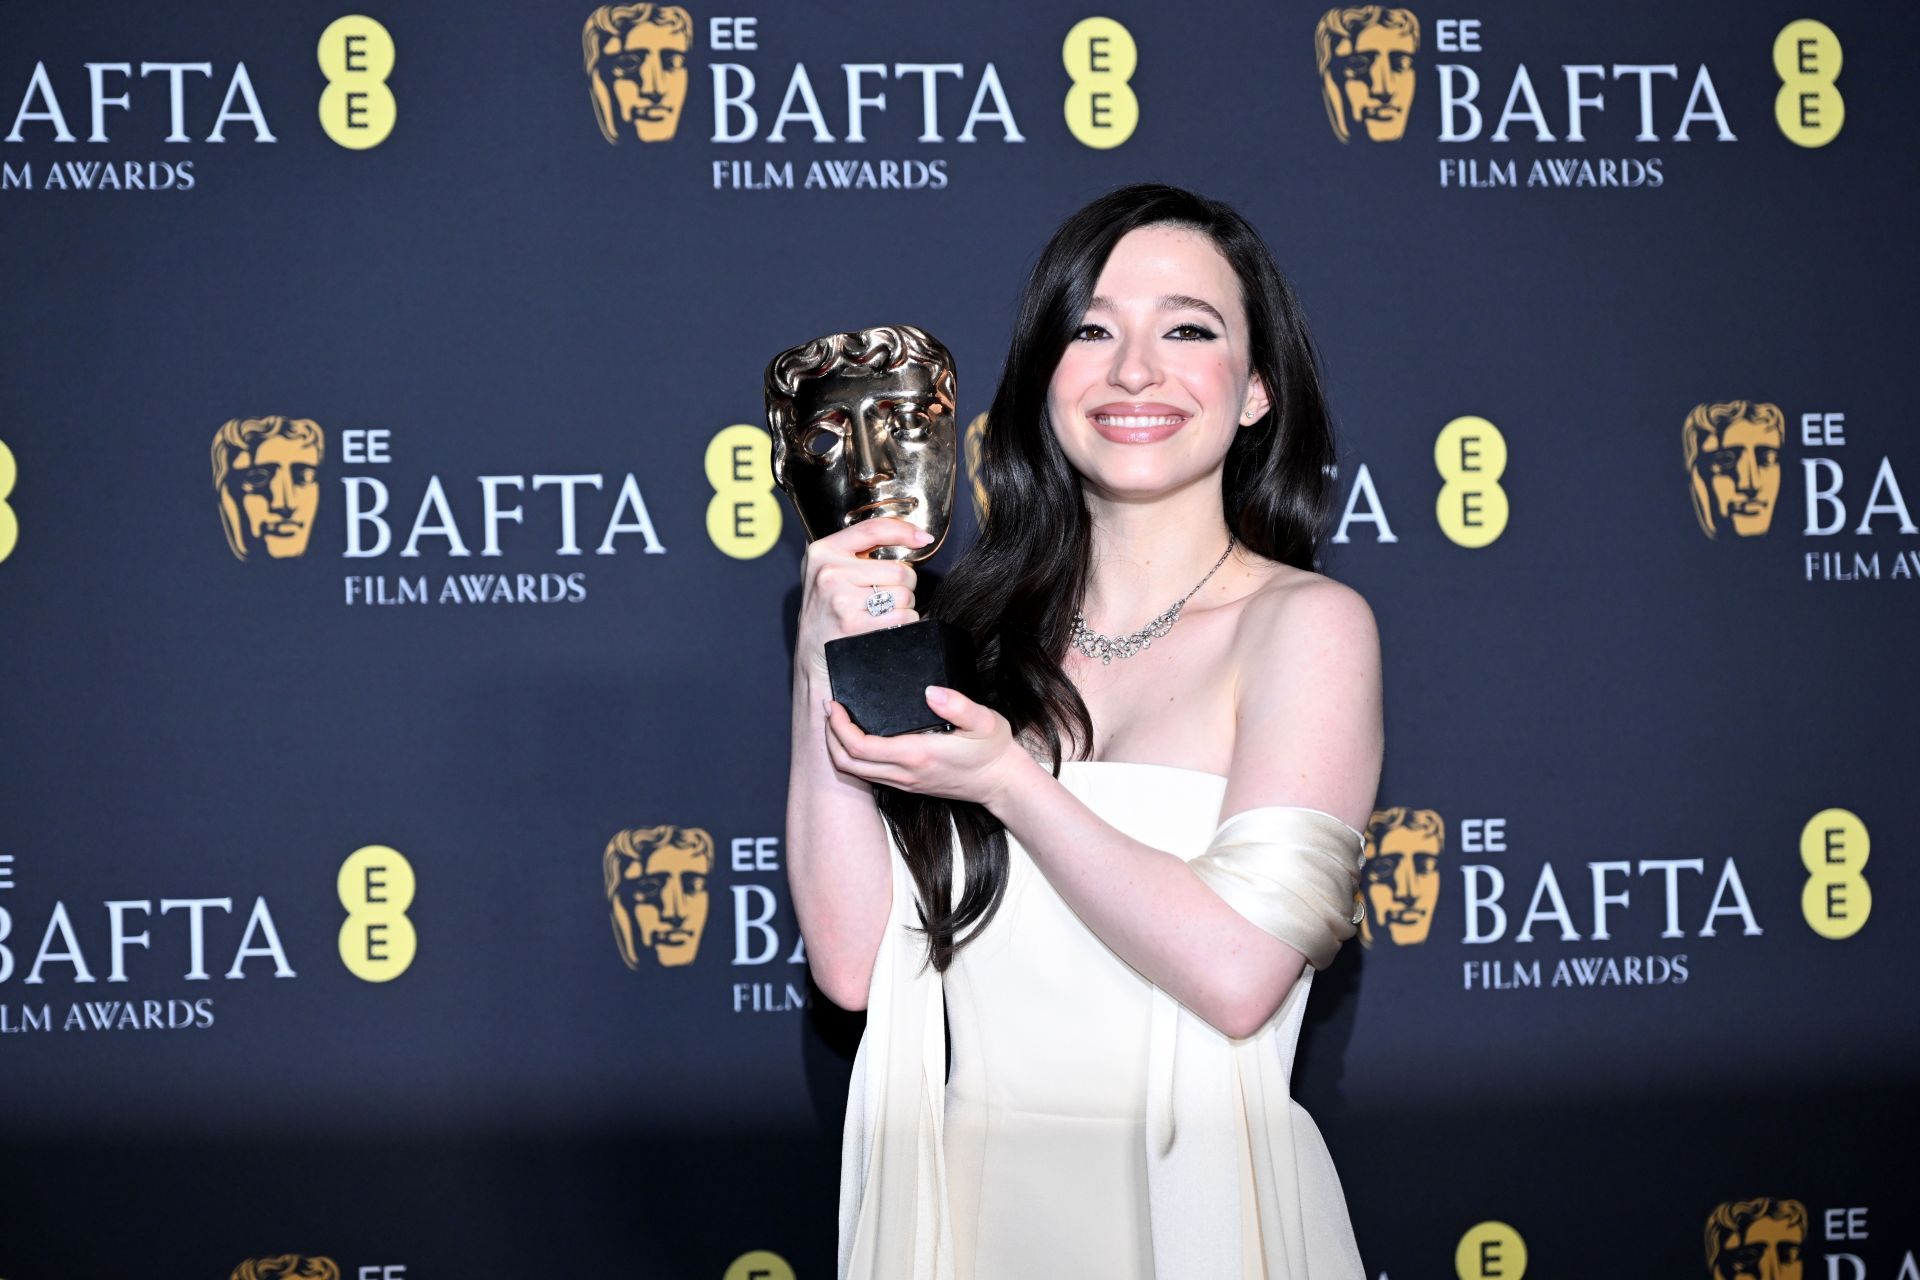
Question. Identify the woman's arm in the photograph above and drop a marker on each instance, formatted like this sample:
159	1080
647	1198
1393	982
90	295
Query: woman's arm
837	860
1309	733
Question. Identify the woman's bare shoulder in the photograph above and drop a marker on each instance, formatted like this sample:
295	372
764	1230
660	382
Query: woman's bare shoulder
1290	609
1307	698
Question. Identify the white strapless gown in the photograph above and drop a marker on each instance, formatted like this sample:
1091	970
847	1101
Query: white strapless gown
1092	1127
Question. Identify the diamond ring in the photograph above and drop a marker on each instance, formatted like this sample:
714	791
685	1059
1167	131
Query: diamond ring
879	604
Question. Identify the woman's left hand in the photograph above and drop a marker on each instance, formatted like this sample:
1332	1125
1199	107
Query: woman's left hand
975	762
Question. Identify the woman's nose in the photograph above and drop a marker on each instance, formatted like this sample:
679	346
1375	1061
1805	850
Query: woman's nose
1134	368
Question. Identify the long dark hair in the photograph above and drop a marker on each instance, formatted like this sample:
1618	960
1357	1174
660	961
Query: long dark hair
1016	588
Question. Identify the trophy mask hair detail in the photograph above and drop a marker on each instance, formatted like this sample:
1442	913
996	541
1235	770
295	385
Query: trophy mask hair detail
881	349
879	403
1016	588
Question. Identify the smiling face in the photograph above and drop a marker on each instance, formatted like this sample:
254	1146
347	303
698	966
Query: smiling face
856	438
1147	397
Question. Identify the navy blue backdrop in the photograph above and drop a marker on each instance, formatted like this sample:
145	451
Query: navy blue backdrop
479	581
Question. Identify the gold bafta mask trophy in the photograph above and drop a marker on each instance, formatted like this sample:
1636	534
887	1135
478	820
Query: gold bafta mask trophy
863	426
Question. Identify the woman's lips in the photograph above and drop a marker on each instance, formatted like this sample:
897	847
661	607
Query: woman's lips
1137	423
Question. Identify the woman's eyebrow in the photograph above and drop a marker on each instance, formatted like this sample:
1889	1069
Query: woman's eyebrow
1168	302
1183	302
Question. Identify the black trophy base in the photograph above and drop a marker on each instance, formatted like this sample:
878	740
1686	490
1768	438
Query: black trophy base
881	677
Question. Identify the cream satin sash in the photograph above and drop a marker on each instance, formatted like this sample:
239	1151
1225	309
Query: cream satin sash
893	1174
1293	872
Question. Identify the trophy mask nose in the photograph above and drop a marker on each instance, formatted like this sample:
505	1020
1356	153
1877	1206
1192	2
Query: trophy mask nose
872	457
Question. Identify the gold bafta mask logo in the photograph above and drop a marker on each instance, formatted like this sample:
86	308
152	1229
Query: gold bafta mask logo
637	68
266	478
1733	464
287	1266
1759	1239
657	886
1400	880
1365	55
976	451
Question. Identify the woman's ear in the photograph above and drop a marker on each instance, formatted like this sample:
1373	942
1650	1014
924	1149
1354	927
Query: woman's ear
1257	402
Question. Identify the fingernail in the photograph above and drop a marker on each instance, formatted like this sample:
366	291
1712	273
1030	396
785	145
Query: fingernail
921	537
936	695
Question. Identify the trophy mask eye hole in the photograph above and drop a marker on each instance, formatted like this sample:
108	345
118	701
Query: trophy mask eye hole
818	441
911	420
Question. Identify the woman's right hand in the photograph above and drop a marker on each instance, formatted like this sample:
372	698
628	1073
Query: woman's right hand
836	579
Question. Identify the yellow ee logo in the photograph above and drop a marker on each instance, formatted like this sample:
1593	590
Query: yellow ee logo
1471	455
9	523
759	1265
1490	1251
356	56
1100	57
1808	109
377	941
1837	899
743	519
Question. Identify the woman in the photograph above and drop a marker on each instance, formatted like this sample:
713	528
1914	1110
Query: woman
1114	877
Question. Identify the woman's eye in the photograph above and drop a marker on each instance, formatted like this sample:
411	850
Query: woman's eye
1088	332
820	442
1193	333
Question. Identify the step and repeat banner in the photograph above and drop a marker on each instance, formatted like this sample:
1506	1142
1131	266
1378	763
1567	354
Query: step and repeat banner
396	609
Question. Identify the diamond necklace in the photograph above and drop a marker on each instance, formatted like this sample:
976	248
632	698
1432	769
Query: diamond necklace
1107	648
